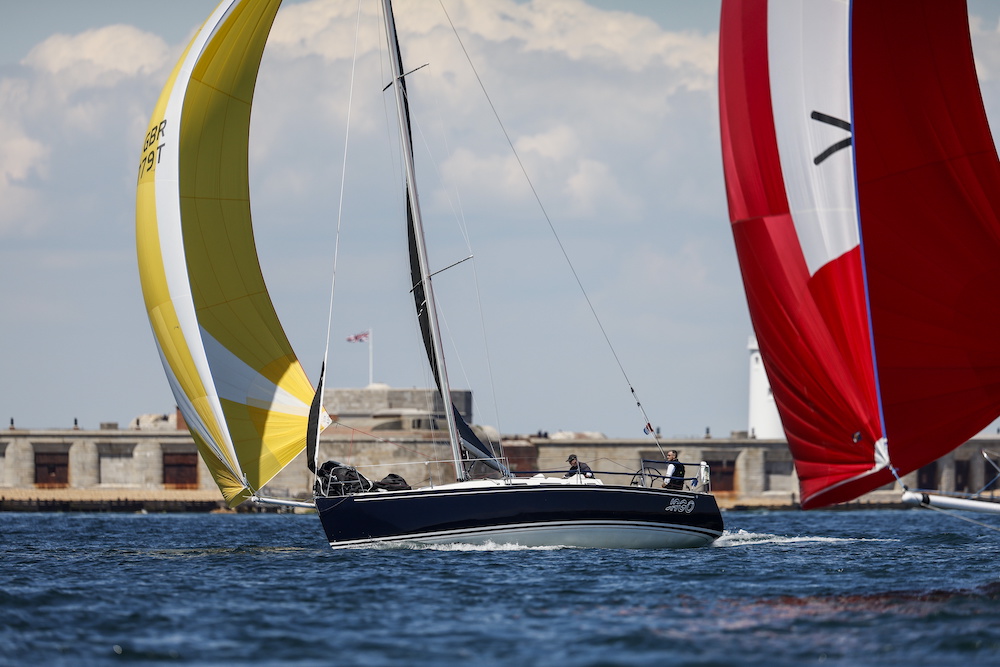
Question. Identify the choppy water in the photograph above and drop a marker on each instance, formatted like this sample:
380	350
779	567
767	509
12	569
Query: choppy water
780	588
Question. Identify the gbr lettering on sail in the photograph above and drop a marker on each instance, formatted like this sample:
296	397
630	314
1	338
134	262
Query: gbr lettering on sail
152	147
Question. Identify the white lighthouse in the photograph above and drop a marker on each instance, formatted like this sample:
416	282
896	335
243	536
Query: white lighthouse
764	421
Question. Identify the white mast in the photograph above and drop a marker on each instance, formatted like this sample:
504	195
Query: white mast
418	233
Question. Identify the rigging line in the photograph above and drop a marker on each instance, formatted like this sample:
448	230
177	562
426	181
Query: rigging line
552	228
465	375
450	266
459	214
388	85
395	173
463	227
486	351
353	430
397	177
955	515
395	165
343	188
249	487
321	382
986	455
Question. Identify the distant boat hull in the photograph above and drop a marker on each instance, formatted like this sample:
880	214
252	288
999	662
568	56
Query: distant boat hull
591	516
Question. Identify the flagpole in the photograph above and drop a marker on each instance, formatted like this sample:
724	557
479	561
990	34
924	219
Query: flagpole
366	337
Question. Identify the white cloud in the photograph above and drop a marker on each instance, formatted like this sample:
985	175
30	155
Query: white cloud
65	118
22	159
594	190
484	174
93	55
606	109
605	79
558	144
986	51
986	48
571	29
325	29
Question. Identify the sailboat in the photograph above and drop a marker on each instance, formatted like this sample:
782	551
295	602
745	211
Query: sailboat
864	194
246	399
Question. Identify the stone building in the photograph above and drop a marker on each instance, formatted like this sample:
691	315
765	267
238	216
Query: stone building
383	430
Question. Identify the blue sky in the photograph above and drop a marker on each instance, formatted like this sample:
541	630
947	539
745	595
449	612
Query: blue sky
611	105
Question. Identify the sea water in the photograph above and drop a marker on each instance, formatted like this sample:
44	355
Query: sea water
865	587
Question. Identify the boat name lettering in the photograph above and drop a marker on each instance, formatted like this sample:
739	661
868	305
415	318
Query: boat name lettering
152	146
680	505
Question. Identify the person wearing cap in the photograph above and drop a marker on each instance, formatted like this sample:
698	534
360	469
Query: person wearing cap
577	468
674	476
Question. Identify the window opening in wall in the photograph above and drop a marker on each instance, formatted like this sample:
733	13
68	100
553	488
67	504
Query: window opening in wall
962	476
927	476
723	474
51	470
180	470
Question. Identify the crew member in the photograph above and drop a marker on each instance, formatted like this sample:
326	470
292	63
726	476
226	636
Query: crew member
675	472
577	468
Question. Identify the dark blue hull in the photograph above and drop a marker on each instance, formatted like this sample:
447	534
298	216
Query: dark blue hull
539	515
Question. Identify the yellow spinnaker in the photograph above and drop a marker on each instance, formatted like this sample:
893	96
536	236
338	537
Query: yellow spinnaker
234	375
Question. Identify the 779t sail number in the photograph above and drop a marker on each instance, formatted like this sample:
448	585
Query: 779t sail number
151	147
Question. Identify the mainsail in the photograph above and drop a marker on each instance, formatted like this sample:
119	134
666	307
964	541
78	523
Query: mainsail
864	194
461	434
236	380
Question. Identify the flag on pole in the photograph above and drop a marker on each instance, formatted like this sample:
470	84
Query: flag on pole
358	337
648	429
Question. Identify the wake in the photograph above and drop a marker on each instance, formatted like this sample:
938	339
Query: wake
742	538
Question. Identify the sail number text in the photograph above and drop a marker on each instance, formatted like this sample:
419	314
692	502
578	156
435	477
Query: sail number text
151	147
